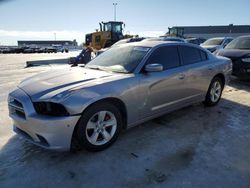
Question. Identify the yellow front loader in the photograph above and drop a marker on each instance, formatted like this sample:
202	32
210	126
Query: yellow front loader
109	33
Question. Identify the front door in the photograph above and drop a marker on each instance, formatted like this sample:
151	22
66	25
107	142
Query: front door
162	90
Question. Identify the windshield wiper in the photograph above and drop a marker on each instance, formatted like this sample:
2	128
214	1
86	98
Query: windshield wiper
105	69
116	71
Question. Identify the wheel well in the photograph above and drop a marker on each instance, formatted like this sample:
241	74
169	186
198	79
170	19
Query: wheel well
120	105
117	103
222	77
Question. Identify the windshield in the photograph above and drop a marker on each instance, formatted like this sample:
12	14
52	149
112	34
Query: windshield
117	28
113	27
123	59
239	43
213	42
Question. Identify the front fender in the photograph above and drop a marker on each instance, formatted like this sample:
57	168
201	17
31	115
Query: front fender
76	104
126	90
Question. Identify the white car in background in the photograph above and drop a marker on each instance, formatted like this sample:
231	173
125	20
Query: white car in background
217	43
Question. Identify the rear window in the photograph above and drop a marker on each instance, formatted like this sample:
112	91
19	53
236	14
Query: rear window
192	55
203	55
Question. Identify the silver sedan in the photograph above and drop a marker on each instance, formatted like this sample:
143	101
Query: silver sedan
87	107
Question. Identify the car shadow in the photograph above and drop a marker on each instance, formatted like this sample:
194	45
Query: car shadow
239	84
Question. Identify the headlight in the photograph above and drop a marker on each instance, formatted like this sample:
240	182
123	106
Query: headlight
246	60
50	109
10	99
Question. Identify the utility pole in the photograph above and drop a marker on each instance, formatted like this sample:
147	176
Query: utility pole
115	4
55	36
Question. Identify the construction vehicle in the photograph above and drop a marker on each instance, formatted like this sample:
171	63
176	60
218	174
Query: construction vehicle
176	32
109	33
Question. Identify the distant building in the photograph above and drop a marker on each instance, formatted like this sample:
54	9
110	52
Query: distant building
210	31
47	43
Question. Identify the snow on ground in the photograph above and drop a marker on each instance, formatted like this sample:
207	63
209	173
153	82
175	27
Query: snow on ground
191	147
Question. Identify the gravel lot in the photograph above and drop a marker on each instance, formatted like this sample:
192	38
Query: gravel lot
191	147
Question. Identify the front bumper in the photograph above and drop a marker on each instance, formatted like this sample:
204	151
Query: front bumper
48	132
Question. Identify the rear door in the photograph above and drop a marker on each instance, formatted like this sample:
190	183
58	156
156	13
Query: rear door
197	70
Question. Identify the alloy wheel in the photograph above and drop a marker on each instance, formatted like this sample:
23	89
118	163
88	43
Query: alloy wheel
101	128
215	91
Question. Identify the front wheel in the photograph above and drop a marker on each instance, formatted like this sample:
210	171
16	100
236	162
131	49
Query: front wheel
214	92
99	126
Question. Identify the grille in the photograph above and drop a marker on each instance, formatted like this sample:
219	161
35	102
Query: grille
16	107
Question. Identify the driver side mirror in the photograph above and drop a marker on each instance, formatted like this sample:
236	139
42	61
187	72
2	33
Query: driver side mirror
153	68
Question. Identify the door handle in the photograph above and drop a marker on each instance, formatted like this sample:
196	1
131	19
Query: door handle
181	76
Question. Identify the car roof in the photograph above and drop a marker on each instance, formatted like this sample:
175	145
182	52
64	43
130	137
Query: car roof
164	38
149	44
171	37
152	44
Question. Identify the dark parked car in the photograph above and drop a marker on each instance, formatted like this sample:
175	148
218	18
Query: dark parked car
8	50
30	50
41	50
239	52
27	50
16	50
2	49
51	50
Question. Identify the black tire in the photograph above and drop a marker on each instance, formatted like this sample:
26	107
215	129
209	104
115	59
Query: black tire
80	133
208	100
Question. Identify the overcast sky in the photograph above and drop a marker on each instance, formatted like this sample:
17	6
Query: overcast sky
40	19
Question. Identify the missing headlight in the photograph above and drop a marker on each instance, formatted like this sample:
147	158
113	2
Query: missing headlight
50	109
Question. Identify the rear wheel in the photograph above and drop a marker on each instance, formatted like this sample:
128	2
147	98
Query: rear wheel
214	92
99	126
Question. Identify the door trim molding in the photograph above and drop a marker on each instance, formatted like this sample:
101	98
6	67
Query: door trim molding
173	102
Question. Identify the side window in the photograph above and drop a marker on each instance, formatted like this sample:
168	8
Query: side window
190	55
167	56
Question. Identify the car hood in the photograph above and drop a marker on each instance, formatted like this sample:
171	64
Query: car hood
233	53
46	85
